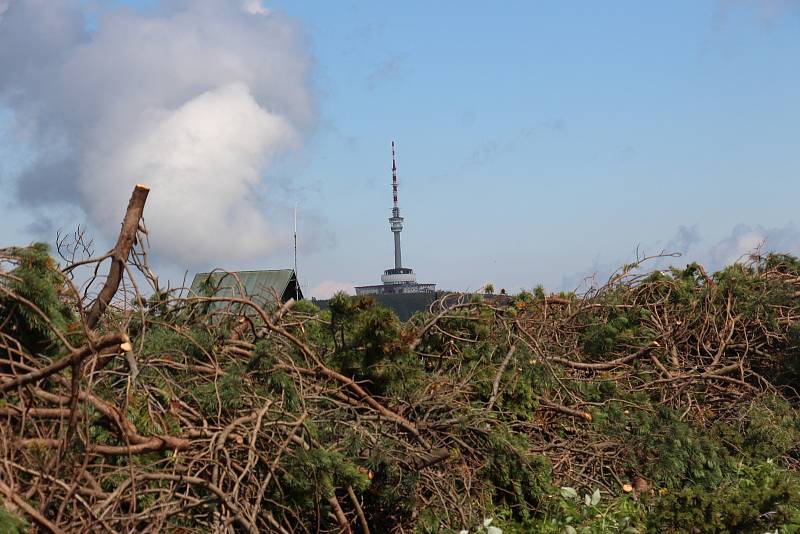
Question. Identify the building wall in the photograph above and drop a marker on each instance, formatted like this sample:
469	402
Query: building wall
394	289
368	290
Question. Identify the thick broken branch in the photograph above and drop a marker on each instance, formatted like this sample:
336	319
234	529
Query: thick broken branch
119	254
107	341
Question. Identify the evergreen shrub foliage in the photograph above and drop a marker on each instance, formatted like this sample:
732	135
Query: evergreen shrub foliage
663	402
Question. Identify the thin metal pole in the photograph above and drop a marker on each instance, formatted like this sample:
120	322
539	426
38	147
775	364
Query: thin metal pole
296	278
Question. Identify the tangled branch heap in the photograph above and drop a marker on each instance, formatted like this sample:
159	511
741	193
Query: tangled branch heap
667	399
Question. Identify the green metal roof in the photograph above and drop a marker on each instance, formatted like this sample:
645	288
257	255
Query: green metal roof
260	286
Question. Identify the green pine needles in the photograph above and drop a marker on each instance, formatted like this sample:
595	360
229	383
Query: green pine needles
664	402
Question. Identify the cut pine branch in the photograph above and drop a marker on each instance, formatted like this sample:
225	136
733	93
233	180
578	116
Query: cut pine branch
119	254
75	357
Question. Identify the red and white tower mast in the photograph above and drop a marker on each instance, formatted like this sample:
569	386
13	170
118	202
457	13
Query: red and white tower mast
396	221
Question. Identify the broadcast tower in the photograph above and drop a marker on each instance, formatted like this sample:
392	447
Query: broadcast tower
395	221
399	279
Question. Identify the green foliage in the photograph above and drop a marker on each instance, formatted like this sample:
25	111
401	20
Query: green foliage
520	479
225	395
195	342
391	496
311	476
719	456
770	428
570	511
789	373
660	443
755	499
368	345
37	279
474	324
276	382
665	449
621	328
525	377
11	523
305	307
782	263
523	298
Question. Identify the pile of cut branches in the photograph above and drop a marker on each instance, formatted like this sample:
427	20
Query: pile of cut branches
659	402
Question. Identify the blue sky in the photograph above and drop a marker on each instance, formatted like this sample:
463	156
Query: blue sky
537	141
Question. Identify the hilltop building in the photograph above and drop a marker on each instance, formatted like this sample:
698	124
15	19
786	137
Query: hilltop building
399	279
260	286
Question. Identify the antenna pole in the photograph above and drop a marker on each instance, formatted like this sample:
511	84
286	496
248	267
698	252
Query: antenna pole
394	178
296	279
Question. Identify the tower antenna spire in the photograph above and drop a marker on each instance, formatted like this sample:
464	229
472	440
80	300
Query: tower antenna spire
394	178
396	222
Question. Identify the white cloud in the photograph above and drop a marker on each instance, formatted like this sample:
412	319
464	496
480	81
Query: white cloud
202	162
745	240
255	7
196	102
742	242
328	288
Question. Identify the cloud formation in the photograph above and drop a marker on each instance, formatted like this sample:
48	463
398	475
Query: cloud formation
742	241
328	288
195	99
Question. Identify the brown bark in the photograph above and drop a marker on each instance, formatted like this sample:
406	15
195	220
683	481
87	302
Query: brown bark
76	356
140	445
344	524
38	413
119	254
499	376
359	511
550	405
432	458
137	444
604	366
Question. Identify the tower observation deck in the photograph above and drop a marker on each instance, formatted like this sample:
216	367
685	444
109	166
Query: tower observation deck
399	279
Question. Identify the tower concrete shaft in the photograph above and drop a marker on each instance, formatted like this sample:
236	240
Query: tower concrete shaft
398	260
396	221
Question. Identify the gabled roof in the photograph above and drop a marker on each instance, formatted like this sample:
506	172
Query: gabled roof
260	286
